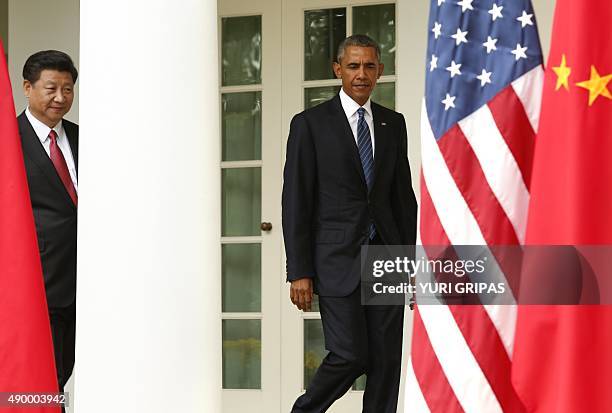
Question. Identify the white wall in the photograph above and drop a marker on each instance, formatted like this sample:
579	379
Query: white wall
544	10
36	25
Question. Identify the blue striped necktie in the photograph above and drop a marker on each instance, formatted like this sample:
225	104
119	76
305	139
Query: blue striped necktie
364	142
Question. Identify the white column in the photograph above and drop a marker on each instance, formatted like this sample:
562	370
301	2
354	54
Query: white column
148	297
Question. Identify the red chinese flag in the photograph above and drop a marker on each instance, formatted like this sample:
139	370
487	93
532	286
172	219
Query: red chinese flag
562	358
26	347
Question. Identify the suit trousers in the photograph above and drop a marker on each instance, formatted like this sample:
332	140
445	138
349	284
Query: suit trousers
360	339
63	323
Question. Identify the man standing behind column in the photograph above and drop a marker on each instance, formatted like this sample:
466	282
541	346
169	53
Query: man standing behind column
50	151
347	183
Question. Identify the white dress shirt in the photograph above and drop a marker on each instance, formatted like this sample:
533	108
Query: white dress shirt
350	109
42	131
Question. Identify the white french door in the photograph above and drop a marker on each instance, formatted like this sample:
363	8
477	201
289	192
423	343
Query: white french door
276	60
312	30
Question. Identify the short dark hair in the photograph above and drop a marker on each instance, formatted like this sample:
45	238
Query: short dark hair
360	40
48	60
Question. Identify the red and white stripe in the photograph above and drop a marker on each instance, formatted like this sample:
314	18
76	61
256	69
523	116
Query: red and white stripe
474	190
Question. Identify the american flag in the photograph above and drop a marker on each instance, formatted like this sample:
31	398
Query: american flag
480	114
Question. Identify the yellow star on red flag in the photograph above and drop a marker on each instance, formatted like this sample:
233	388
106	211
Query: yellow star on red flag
563	72
596	85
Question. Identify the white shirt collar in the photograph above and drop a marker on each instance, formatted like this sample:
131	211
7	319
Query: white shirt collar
42	130
350	106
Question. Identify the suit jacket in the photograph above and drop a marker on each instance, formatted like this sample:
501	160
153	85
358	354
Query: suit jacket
327	208
55	214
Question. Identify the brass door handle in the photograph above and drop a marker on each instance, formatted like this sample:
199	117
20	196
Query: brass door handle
266	226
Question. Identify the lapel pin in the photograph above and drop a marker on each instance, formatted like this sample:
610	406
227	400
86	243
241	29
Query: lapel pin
383	123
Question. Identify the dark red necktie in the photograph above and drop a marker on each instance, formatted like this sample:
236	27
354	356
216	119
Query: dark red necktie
60	166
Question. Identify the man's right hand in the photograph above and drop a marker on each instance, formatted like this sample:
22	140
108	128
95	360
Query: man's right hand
301	293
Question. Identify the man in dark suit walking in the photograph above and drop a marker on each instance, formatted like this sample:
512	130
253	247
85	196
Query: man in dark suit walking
50	151
347	184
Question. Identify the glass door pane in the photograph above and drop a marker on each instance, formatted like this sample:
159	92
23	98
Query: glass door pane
241	50
384	94
314	348
241	126
241	202
378	22
316	95
323	32
241	354
241	277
